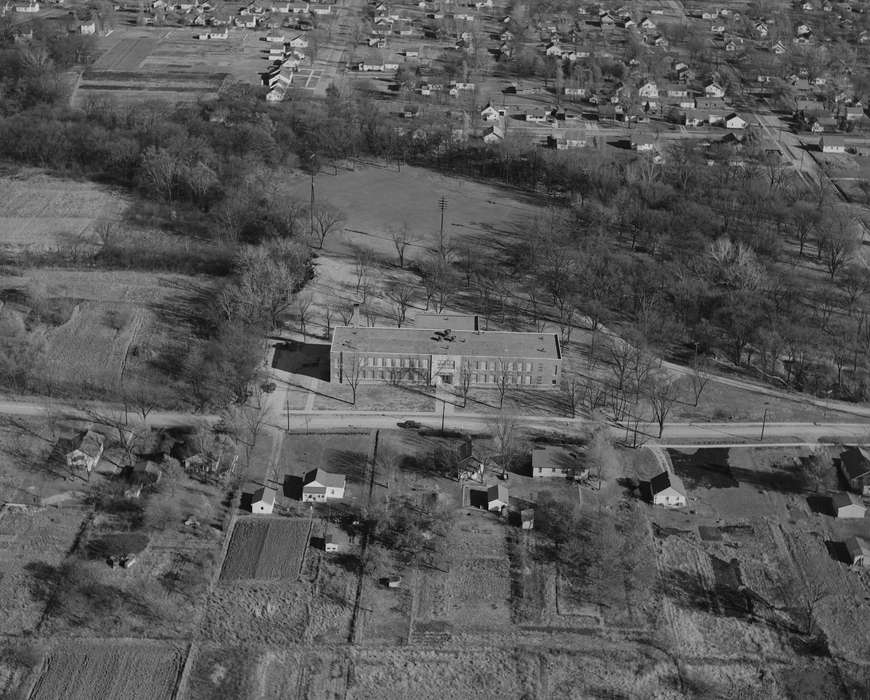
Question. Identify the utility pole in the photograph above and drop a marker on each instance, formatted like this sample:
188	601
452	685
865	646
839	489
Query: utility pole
763	423
287	406
443	409
311	205
442	204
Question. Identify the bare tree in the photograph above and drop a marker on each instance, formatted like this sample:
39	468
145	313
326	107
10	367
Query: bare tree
107	231
574	390
837	243
326	219
361	266
401	240
352	372
504	428
464	384
504	377
662	392
700	376
401	296
303	310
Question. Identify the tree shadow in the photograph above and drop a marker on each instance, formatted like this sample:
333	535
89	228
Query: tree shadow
306	359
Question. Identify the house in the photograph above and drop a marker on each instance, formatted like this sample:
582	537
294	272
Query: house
87	455
554	461
735	121
643	142
570	138
854	113
666	489
855	467
319	485
332	541
490	113
574	91
859	551
714	90
778	48
832	143
647	23
493	134
527	519
497	497
297	42
87	28
762	29
731	45
718	29
648	90
263	501
29	8
803	30
845	505
714	103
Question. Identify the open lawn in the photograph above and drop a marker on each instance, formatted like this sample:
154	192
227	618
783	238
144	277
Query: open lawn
39	212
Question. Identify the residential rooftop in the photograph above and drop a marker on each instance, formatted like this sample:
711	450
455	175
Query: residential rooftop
420	341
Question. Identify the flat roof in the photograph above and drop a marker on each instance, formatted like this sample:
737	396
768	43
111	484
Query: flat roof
456	322
420	341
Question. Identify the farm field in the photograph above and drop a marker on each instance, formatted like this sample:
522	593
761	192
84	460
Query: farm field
39	212
81	671
266	549
140	64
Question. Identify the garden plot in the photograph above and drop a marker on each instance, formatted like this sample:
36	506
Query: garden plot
39	212
85	670
466	674
266	549
33	542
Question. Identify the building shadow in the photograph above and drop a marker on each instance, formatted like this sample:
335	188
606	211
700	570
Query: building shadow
821	504
838	552
307	359
477	498
292	487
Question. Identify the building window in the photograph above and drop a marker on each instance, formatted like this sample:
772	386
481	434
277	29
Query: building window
379	362
474	379
539	379
540	366
528	379
380	374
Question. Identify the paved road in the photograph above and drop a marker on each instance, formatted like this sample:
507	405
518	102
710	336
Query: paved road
300	421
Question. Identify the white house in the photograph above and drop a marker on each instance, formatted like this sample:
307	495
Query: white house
648	90
554	461
319	485
667	490
734	121
490	113
832	143
714	90
778	48
643	142
845	505
87	455
263	501
29	8
497	497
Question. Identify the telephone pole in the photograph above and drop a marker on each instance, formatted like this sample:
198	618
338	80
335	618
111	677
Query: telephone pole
442	204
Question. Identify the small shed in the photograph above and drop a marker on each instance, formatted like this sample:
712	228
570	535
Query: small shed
146	472
667	489
845	505
497	497
859	551
263	500
855	467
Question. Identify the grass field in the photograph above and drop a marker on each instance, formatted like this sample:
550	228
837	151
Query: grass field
266	549
39	212
81	671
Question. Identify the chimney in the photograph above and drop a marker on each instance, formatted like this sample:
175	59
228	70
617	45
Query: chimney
354	318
